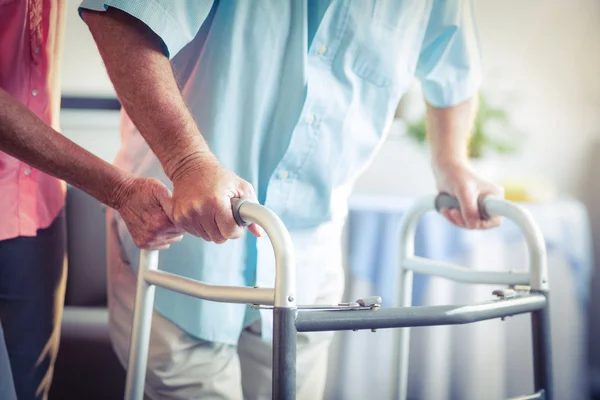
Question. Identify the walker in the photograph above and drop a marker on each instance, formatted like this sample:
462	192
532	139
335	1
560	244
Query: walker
526	292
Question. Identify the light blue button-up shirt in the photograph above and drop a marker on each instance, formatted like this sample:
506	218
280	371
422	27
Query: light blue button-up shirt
295	96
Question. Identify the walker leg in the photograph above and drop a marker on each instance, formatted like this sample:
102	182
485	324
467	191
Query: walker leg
403	340
284	353
542	354
140	333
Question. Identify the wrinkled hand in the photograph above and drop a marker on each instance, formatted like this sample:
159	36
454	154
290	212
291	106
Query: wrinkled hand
202	193
458	179
146	207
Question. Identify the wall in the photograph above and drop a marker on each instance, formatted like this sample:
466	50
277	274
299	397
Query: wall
83	73
542	59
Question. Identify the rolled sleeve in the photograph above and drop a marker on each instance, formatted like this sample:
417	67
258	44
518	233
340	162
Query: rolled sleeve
175	22
449	64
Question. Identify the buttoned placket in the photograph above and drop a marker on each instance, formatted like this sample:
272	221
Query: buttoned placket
322	51
27	179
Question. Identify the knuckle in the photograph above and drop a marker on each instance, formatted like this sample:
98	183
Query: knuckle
213	201
171	239
178	217
236	233
195	232
215	238
247	188
140	240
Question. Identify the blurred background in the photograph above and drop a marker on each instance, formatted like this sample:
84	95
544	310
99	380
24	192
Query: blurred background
537	133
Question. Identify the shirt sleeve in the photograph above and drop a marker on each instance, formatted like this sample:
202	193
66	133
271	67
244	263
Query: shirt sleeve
449	64
175	22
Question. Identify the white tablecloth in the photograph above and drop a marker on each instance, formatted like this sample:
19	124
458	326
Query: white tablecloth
487	360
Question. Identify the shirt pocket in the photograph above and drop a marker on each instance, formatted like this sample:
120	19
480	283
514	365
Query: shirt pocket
374	67
375	57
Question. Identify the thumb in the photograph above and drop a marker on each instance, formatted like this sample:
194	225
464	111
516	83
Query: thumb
255	230
165	200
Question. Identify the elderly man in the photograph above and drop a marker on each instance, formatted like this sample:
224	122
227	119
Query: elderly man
32	226
290	98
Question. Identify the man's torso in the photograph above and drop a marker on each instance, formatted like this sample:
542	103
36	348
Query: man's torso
298	114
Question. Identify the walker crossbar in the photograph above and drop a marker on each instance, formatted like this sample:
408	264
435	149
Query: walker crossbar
311	321
462	274
218	293
288	319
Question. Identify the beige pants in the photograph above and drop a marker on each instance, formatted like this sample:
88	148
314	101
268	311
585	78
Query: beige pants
183	367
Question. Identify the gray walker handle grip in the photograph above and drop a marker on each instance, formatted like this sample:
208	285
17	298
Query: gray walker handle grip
445	201
236	204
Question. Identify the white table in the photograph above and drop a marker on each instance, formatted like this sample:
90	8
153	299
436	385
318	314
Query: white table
487	360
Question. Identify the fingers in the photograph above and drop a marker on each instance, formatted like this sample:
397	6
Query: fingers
212	221
162	243
226	223
255	230
490	223
212	228
222	226
174	231
166	203
205	210
203	234
469	208
247	191
165	199
454	216
457	218
191	220
159	247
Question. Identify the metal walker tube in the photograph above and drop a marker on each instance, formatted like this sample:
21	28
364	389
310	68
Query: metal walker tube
536	277
283	297
286	321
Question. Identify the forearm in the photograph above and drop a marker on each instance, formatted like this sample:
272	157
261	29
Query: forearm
26	137
143	79
449	130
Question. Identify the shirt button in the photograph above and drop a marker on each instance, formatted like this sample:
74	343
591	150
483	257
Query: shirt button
322	50
284	174
34	92
27	171
310	118
36	49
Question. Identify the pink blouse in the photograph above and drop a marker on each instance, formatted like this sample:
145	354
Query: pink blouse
31	33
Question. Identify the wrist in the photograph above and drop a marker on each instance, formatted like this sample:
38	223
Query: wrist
193	161
120	191
445	159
